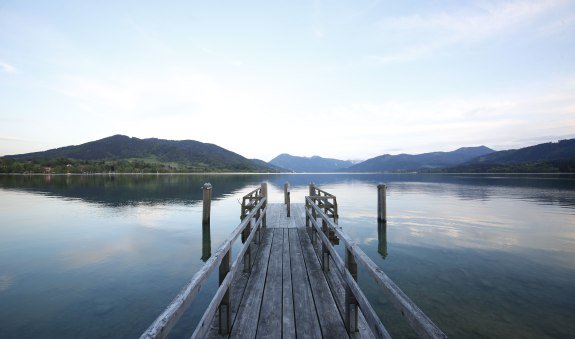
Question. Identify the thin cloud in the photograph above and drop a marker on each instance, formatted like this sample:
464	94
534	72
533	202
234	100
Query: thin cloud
7	68
439	30
12	139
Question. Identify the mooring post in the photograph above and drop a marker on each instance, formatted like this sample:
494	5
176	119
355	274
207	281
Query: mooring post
286	190
265	195
206	238
207	197
381	203
288	204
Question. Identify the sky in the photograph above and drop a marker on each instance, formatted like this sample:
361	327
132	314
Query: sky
341	79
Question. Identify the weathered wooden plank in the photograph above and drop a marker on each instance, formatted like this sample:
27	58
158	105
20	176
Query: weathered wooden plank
275	211
270	317
330	321
288	317
245	324
298	215
306	321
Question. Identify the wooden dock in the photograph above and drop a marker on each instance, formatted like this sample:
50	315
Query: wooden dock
288	281
286	295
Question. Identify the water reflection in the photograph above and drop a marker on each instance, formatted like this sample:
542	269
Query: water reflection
206	241
382	238
482	255
119	190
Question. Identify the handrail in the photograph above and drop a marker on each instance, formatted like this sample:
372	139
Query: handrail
250	200
204	324
168	318
319	192
371	317
418	321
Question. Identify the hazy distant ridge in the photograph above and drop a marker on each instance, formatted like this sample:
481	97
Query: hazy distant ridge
414	162
312	164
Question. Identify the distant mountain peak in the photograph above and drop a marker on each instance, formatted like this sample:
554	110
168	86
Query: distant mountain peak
309	164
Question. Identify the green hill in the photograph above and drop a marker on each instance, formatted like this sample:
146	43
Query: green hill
120	153
549	157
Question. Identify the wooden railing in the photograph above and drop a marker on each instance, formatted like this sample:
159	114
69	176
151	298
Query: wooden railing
347	270
324	200
253	218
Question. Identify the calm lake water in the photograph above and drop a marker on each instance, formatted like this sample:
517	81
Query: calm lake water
101	256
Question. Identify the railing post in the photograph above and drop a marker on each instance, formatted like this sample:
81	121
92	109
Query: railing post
311	194
248	254
335	213
307	207
324	249
224	309
381	203
243	212
351	308
207	198
265	195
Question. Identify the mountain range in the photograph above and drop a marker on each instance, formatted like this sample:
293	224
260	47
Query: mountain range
120	152
547	157
123	154
414	162
312	164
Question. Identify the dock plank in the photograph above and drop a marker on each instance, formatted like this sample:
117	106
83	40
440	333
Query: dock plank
288	317
270	317
245	324
306	321
331	323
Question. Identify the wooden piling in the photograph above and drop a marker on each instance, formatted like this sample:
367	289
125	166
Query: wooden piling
381	203
288	203
286	190
207	197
